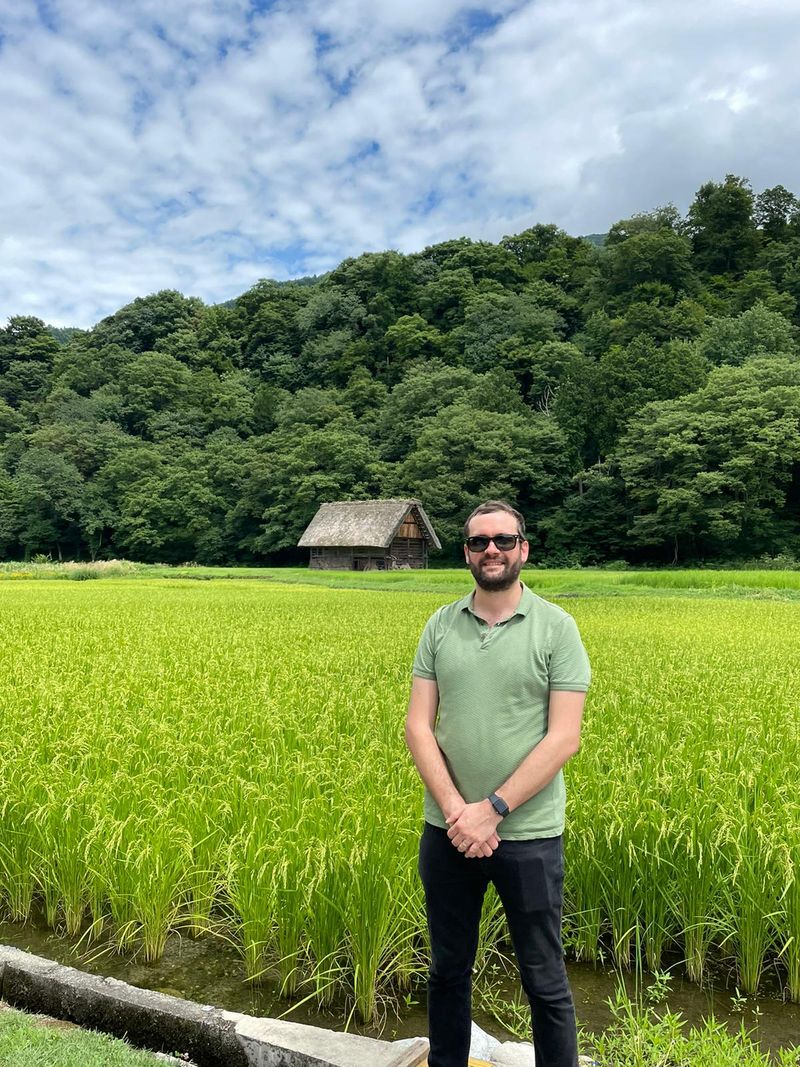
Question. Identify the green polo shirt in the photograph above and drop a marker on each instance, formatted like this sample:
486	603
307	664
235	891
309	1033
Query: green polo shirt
494	690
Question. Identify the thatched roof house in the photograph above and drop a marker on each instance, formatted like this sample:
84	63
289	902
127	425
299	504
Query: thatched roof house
360	535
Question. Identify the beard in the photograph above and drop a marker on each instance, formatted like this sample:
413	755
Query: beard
496	580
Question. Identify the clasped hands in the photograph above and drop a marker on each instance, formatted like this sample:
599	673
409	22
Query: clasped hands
473	829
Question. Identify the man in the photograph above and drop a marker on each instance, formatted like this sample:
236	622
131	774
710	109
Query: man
500	678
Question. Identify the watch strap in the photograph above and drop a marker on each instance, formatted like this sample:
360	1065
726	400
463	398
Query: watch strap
499	805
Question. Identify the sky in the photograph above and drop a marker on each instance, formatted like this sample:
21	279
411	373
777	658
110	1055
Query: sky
204	144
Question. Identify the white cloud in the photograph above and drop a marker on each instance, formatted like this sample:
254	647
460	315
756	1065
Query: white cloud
201	146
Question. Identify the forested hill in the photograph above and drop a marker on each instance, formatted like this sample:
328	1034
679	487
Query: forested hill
638	401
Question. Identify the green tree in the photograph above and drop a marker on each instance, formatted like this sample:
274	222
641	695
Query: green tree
147	320
652	312
388	275
153	382
774	210
535	244
485	261
488	262
157	503
293	473
663	219
464	455
222	400
756	332
709	473
83	366
26	340
631	376
9	514
790	281
720	222
220	348
545	294
172	515
758	287
84	442
10	420
327	308
443	301
662	258
365	397
25	383
97	517
574	408
492	319
265	318
539	369
424	389
591	524
410	338
658	319
115	482
310	408
182	344
266	403
47	490
546	253
329	358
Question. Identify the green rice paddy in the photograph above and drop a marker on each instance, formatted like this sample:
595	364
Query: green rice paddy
225	757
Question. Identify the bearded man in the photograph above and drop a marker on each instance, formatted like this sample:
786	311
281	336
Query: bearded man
499	683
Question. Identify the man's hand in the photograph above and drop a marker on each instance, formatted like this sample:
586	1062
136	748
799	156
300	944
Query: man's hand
453	812
474	832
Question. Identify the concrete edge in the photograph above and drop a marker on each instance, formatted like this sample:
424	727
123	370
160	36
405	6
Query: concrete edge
211	1036
151	1020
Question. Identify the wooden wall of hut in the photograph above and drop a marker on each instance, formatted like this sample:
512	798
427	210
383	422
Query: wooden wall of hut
331	559
409	552
410	527
350	559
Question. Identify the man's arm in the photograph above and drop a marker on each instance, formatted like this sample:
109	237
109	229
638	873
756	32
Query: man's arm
539	767
427	756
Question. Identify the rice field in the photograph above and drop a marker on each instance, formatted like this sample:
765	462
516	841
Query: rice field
226	758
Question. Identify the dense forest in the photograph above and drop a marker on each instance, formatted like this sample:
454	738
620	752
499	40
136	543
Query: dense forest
639	400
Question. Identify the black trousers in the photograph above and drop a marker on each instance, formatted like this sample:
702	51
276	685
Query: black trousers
528	877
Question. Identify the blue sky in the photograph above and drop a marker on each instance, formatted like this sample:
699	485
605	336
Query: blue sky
206	144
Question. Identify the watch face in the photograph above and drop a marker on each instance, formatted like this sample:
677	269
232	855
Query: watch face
499	805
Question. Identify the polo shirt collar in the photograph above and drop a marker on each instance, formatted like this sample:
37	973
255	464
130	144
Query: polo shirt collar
524	606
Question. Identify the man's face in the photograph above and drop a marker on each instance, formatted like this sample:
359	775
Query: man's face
492	569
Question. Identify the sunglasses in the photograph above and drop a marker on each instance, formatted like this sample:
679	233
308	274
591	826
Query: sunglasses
505	542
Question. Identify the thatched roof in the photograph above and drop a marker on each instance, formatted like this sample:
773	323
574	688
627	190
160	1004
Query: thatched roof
363	523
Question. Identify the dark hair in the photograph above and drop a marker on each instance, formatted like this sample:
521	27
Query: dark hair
495	505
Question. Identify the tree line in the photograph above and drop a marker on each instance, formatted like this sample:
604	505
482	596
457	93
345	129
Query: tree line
639	401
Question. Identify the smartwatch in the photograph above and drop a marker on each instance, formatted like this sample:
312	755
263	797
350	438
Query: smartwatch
499	805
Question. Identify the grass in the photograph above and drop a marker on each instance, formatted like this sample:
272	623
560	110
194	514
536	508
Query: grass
644	1032
582	581
226	758
31	1041
72	571
646	1037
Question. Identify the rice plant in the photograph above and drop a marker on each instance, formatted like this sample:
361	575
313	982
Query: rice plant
227	757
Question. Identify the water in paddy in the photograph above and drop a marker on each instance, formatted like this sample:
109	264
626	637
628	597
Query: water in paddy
210	971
